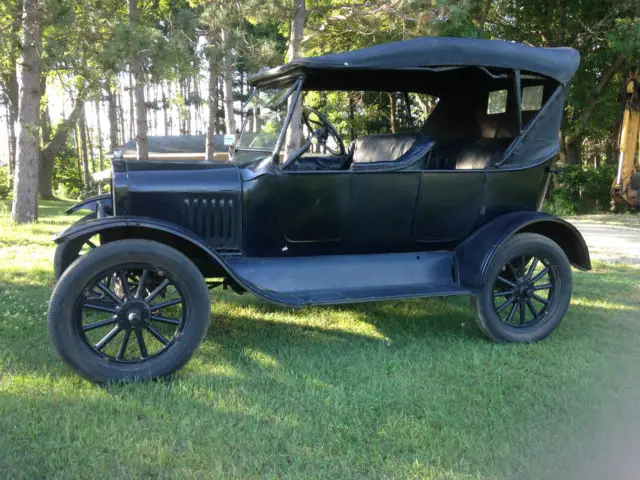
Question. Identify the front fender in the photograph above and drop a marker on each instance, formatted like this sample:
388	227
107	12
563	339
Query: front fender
210	262
474	255
95	204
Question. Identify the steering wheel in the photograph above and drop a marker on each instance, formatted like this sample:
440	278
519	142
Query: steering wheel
322	129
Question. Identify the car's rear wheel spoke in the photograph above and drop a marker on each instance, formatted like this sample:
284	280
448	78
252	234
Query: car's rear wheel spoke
142	283
165	283
505	304
100	324
141	344
159	318
108	338
542	273
168	303
161	338
511	313
507	282
104	288
123	345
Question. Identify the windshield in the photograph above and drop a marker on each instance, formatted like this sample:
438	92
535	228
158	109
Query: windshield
264	119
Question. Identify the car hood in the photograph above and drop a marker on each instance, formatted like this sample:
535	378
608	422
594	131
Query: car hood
175	176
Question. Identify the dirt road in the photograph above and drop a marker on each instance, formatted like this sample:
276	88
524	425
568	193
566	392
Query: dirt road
611	243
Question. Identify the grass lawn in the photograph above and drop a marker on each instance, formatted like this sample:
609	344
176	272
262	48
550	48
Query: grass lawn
405	389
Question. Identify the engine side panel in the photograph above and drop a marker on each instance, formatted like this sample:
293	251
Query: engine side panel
205	198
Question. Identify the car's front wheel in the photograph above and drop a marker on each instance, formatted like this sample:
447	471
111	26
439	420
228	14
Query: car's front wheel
130	309
527	290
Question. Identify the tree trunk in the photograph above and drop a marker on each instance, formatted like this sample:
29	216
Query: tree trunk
188	105
113	119
574	151
45	169
45	177
213	107
51	149
165	105
228	65
294	132
132	120
123	130
392	112
76	137
142	140
24	207
562	154
92	166
170	108
99	131
86	179
597	93
100	149
11	125
352	117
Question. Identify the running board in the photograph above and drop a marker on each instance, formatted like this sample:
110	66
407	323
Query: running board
333	279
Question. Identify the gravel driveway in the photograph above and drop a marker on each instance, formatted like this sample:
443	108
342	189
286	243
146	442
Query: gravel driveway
611	243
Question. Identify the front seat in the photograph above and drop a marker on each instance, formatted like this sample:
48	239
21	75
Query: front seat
380	151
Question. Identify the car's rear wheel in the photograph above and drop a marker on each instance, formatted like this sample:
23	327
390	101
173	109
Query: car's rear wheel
527	290
130	309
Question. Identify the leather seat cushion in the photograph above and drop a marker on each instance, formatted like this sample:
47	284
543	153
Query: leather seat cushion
383	148
483	153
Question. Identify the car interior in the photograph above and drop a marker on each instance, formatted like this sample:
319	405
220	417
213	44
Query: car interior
470	128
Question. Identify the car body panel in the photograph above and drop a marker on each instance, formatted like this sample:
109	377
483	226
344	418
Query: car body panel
474	254
94	204
203	197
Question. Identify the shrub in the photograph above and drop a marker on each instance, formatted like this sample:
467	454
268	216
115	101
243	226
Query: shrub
67	180
5	182
580	189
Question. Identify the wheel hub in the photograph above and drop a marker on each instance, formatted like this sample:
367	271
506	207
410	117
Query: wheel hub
133	315
524	289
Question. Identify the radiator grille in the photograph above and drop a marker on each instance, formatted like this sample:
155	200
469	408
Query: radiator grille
215	219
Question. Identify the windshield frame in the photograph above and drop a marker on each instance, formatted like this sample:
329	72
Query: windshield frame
291	96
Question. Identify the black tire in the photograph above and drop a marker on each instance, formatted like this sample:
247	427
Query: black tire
68	251
75	294
537	314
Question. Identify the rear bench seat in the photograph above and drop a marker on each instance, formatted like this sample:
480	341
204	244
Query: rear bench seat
467	154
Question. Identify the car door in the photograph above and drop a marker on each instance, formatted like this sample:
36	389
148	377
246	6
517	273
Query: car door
381	210
448	204
314	214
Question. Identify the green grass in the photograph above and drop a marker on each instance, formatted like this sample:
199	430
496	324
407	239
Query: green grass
405	389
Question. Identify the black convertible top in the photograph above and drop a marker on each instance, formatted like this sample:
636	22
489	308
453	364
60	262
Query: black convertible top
425	53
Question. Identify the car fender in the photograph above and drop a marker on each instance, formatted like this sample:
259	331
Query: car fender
473	256
120	227
104	202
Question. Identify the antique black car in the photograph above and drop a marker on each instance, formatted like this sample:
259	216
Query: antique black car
449	206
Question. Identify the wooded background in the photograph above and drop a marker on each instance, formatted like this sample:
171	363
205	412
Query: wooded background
80	77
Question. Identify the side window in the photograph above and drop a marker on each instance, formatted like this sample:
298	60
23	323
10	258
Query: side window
497	102
532	98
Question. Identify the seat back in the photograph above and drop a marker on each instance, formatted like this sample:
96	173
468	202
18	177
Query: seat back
483	153
383	148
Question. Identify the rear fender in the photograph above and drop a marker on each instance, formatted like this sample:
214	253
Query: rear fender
101	205
474	255
116	228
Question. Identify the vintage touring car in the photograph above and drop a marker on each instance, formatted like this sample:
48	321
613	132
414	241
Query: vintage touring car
448	207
